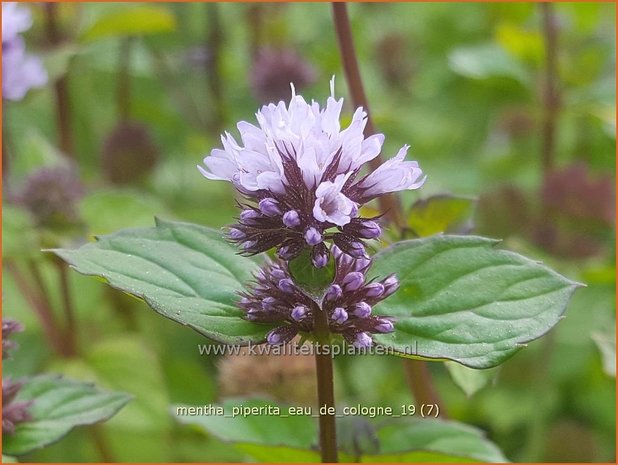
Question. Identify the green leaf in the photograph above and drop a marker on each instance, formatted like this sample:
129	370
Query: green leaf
606	342
266	435
132	21
486	61
58	405
461	299
185	272
428	440
313	280
441	213
469	380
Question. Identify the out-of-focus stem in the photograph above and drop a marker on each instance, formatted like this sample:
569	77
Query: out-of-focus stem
326	394
40	304
421	385
63	104
70	331
389	204
214	41
550	93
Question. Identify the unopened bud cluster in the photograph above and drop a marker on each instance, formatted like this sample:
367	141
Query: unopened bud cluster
277	299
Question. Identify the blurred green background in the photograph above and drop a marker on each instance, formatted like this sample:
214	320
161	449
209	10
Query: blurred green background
149	87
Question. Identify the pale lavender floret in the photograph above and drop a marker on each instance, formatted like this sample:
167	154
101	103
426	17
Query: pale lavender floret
331	204
334	292
374	290
291	219
286	285
270	207
313	136
362	341
20	70
15	20
339	315
353	281
362	310
299	312
313	236
392	176
385	326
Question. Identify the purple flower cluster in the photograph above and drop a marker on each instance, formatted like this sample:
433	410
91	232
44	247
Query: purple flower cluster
277	299
303	175
13	412
20	70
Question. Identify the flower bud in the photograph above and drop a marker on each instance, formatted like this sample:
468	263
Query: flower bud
277	273
270	207
357	250
369	230
391	284
299	312
313	236
320	256
281	335
362	310
374	290
236	234
353	281
339	315
286	285
249	214
291	219
248	245
362	341
268	303
334	292
385	326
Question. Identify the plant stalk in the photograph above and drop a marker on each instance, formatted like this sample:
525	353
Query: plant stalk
214	42
551	96
70	330
63	104
389	204
326	394
40	304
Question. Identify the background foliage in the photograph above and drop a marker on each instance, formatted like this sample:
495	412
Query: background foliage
463	84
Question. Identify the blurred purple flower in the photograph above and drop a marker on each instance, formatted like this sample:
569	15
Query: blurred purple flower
276	299
274	69
304	173
13	412
51	194
9	327
20	70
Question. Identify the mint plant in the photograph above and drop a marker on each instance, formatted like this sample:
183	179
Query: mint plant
442	297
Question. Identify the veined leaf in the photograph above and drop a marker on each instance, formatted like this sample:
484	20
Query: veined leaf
185	272
462	299
58	405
